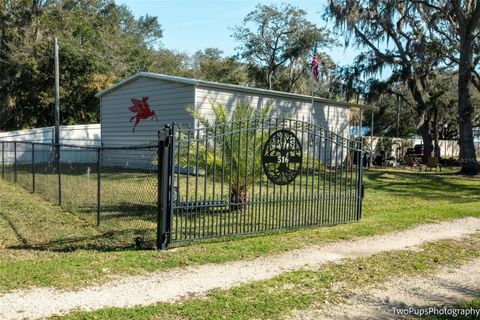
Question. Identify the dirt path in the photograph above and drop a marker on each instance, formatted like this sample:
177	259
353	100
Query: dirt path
177	283
447	287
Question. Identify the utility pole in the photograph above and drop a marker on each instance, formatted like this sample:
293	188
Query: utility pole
57	122
57	97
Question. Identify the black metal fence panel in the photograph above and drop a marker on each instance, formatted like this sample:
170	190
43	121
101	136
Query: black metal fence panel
262	175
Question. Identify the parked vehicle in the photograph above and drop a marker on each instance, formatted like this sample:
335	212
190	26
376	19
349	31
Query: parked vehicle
410	151
417	151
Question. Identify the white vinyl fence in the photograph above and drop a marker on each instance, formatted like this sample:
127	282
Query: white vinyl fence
77	135
81	135
448	148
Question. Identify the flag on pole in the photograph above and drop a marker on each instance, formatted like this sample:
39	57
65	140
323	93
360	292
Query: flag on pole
315	66
314	72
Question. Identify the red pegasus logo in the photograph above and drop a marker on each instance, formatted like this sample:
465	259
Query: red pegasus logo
142	110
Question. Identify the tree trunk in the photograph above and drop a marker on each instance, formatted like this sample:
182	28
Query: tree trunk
269	79
422	111
468	157
435	134
424	131
238	198
7	112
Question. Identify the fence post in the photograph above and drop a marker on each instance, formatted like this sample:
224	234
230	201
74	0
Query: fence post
171	147
33	167
3	160
360	186
163	212
57	155
98	185
15	162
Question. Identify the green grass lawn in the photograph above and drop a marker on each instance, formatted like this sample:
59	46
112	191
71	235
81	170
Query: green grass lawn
43	245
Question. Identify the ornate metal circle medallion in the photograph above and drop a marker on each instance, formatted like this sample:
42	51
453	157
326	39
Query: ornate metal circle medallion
282	157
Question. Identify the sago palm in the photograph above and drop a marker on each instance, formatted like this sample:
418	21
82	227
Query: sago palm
234	135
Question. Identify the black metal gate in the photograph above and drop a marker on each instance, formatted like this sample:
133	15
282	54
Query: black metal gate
254	176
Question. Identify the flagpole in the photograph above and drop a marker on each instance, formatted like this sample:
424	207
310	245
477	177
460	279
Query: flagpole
312	75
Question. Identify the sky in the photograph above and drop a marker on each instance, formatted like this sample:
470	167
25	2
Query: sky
192	25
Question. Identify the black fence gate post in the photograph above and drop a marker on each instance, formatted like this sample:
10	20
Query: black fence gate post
360	187
171	180
33	167
163	207
98	185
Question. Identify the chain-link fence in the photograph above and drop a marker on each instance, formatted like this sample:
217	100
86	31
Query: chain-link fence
112	188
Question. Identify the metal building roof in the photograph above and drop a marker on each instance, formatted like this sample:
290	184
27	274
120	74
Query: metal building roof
210	84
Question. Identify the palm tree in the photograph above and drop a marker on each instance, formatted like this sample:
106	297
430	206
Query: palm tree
236	139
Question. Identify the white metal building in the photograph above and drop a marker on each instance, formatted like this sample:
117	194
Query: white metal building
169	97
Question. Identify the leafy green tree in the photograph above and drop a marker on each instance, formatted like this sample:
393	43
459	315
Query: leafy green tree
171	62
100	42
457	23
211	65
17	21
385	118
278	40
392	36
